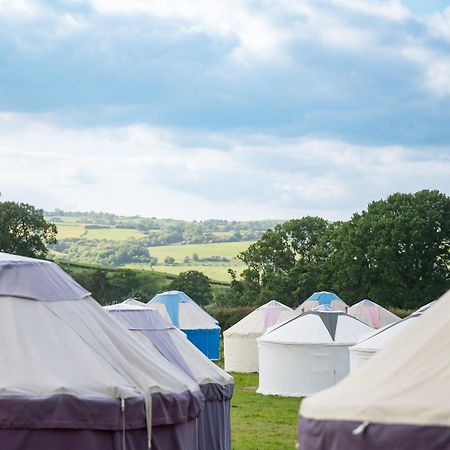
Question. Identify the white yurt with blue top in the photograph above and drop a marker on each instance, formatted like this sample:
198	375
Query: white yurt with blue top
320	299
201	328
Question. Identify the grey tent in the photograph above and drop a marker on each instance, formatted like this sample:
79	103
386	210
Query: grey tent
214	432
72	378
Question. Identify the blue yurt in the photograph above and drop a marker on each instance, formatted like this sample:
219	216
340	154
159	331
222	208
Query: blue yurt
201	329
322	298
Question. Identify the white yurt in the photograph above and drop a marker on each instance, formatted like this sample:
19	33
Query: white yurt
322	298
307	353
240	349
372	314
73	378
368	345
147	324
399	400
200	327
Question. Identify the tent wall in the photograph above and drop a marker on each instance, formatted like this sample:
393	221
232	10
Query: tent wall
207	341
338	435
214	429
241	354
300	370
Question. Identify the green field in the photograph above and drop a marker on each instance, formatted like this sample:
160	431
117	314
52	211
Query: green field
260	422
228	249
113	234
213	271
69	230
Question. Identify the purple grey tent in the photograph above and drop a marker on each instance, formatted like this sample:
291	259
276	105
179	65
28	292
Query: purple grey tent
214	431
72	378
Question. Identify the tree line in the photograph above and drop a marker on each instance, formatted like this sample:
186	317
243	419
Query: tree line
396	252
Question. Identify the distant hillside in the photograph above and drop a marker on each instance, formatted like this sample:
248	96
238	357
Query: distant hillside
166	245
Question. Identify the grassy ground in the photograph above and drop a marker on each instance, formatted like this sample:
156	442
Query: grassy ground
227	249
261	422
113	234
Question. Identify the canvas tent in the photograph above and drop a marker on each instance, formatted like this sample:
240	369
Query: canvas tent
307	353
240	349
214	431
200	328
73	378
400	399
372	314
368	345
322	298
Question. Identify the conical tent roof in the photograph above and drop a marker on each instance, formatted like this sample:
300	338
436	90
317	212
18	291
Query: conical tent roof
200	328
399	399
139	316
372	314
70	353
240	348
368	345
322	298
322	325
258	321
217	386
182	311
307	353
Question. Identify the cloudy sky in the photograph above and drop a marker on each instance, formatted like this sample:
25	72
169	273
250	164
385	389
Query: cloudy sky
225	109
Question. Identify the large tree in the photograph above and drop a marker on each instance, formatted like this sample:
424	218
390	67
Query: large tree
396	253
195	284
24	230
283	264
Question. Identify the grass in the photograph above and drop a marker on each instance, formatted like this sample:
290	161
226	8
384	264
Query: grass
228	249
260	422
113	234
69	231
213	271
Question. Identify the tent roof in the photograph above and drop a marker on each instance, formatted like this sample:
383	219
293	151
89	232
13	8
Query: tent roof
407	382
36	279
320	326
262	318
324	297
379	338
173	344
372	313
182	311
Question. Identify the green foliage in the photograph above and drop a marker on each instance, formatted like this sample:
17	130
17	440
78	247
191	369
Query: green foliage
227	316
283	263
114	285
104	252
195	284
24	230
397	253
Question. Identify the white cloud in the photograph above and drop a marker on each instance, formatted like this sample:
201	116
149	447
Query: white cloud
144	170
435	65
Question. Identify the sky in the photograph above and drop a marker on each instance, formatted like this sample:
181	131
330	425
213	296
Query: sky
223	109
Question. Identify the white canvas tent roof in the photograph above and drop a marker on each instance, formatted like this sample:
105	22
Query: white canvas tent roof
240	349
402	395
372	314
322	298
307	353
179	309
368	345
